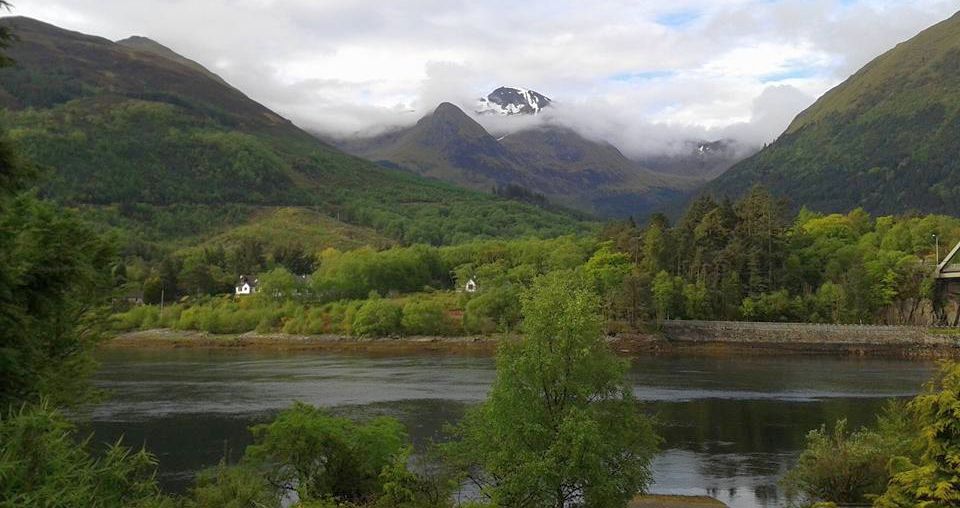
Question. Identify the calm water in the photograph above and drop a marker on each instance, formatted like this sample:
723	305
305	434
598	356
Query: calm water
732	426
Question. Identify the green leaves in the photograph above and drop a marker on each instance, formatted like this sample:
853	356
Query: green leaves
42	464
934	479
321	456
560	423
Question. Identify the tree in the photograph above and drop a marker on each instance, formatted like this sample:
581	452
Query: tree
248	257
424	318
294	258
666	294
279	284
226	486
153	292
320	456
934	479
839	466
55	282
42	464
377	318
561	423
494	309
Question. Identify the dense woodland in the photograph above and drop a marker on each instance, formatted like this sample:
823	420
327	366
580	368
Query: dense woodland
744	260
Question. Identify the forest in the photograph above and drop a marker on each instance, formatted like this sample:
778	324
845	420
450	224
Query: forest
723	260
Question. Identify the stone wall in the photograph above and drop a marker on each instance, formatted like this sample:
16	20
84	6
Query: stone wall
813	337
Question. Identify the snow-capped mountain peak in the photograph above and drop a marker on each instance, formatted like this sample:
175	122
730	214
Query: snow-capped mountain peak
513	101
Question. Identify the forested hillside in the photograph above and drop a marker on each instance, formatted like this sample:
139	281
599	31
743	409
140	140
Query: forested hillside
161	148
746	260
887	139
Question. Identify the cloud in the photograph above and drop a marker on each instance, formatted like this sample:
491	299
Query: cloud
643	74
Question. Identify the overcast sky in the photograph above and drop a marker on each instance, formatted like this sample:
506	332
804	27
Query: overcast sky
642	74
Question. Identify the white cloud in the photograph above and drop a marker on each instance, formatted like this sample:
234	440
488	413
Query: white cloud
640	73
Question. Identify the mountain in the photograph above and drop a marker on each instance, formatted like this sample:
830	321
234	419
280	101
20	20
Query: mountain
553	161
513	101
886	139
145	141
697	158
446	145
150	46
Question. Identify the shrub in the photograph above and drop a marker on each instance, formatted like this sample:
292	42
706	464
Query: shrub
840	466
496	309
41	464
231	487
353	455
424	318
377	318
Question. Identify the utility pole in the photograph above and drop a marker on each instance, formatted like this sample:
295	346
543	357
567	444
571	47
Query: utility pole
162	289
936	239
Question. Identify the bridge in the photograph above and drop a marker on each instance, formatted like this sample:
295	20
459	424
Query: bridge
949	268
947	289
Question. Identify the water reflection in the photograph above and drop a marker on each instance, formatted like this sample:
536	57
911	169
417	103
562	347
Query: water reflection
731	426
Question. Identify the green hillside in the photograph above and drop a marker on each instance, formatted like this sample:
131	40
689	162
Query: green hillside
887	139
556	162
145	140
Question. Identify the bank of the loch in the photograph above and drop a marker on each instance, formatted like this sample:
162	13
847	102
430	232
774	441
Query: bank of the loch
687	337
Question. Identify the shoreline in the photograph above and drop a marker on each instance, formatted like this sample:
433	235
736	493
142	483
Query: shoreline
677	337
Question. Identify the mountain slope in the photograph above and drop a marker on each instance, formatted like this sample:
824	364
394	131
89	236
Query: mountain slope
699	158
593	175
448	145
887	139
116	125
554	161
150	46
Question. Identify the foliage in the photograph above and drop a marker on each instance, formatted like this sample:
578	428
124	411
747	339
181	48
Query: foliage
425	317
402	488
356	273
560	423
883	140
377	318
42	464
493	310
325	457
750	260
55	278
841	466
932	479
280	284
226	486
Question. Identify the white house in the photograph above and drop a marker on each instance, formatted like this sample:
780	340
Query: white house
471	286
247	286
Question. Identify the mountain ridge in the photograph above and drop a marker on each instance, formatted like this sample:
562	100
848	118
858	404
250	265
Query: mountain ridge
149	142
886	139
555	161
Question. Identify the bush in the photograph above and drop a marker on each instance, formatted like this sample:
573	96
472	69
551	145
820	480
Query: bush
352	455
377	318
231	487
932	476
41	464
840	466
424	318
493	310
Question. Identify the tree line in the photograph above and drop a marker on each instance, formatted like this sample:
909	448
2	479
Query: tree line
728	260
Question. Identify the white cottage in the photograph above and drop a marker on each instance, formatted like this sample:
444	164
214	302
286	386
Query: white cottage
471	286
247	285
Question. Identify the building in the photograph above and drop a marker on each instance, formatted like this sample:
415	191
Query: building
471	286
247	285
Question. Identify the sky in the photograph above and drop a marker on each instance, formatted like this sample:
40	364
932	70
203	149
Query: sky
645	75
